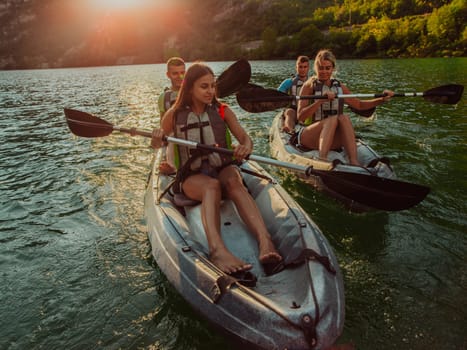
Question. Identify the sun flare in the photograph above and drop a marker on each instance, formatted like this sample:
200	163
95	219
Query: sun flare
120	4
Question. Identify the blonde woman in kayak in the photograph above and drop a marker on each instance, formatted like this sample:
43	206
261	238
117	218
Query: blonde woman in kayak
198	116
325	127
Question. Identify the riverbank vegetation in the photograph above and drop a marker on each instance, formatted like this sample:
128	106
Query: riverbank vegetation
353	28
53	34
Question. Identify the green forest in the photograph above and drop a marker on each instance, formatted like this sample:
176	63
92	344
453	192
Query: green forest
351	28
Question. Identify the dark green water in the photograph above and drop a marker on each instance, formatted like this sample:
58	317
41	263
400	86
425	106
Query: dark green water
76	270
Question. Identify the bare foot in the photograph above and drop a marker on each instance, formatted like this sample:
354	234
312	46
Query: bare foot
166	169
267	252
227	262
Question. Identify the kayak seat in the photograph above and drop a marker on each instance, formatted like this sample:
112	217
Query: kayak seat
178	199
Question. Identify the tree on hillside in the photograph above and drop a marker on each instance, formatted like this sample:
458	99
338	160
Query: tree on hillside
446	26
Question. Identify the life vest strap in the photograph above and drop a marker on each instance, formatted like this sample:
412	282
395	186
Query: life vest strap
194	126
329	112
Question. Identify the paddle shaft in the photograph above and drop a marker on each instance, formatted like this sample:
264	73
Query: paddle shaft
133	131
400	94
324	97
192	144
254	98
259	159
372	191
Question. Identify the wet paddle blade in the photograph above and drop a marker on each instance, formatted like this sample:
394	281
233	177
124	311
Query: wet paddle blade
374	192
233	78
86	125
367	190
446	94
256	99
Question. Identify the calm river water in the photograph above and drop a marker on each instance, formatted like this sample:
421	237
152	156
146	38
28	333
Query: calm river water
76	270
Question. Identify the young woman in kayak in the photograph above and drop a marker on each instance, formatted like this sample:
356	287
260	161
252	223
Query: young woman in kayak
198	116
325	125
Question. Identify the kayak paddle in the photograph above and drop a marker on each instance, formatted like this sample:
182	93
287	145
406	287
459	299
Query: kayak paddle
256	99
372	191
235	77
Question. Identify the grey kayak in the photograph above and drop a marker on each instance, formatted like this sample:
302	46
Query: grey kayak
372	163
300	306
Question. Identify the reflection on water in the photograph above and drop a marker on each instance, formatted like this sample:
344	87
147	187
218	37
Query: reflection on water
75	259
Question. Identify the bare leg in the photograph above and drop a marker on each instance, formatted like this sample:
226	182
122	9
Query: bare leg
290	119
347	135
310	136
250	214
208	191
326	137
332	132
167	167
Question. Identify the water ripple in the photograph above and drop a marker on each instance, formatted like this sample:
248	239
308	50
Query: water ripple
75	259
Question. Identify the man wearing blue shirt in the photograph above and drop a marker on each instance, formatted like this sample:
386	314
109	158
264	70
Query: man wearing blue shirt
292	87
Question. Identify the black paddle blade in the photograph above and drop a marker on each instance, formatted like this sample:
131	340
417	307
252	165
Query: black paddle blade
447	94
233	78
86	125
256	99
373	191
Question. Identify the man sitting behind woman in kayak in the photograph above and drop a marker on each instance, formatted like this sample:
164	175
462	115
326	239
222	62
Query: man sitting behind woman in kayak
292	87
175	72
198	116
325	127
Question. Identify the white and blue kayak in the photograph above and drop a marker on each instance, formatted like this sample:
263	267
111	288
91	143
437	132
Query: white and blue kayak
300	305
370	186
373	185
